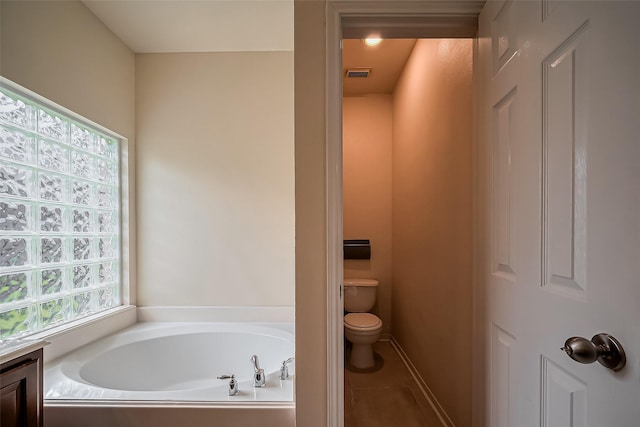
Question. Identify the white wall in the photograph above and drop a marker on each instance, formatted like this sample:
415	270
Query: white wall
216	179
61	51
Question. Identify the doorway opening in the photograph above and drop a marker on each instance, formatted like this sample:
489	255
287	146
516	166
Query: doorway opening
407	189
356	25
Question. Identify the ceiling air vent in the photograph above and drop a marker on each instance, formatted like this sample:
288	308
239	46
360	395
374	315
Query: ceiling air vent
358	72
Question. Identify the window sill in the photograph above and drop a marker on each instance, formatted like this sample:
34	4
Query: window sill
73	335
16	349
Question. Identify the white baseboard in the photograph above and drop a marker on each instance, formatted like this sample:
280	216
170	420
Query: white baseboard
426	391
284	314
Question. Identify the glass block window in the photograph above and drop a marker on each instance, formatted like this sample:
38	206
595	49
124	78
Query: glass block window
59	216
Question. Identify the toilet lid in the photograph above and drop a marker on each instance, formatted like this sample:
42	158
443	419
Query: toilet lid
360	282
362	321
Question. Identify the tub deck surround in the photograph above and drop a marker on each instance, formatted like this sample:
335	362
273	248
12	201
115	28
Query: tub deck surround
74	335
176	362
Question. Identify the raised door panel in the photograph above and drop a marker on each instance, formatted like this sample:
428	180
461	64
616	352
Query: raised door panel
503	34
503	240
565	83
564	397
502	374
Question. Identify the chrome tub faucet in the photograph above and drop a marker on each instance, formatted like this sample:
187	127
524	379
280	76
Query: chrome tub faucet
284	369
232	390
258	373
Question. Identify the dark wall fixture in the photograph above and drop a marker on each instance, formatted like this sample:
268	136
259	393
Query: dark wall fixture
357	249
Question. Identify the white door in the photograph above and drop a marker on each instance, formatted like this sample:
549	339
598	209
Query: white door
559	204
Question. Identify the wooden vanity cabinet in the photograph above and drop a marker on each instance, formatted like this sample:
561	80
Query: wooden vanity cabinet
21	391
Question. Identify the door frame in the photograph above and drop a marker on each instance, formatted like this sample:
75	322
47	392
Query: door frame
414	19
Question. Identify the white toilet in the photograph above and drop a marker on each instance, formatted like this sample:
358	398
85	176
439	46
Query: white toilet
362	329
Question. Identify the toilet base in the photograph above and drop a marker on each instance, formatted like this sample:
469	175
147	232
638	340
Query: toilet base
362	356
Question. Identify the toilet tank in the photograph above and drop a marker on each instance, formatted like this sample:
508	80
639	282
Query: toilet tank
359	295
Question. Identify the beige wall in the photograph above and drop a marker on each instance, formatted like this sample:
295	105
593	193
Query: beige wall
432	234
61	51
311	231
366	146
215	168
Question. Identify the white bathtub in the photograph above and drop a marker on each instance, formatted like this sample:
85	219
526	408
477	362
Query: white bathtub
158	373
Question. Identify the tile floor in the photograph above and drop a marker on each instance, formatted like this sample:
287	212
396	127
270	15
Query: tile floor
387	397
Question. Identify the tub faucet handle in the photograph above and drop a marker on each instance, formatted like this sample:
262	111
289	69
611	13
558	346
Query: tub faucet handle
284	369
233	384
258	373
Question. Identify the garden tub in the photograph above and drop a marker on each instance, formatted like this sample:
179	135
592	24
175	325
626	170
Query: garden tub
165	373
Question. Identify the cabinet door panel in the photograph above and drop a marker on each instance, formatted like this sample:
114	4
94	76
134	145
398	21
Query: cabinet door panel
10	411
19	396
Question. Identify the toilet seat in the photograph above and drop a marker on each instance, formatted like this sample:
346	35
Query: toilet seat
362	322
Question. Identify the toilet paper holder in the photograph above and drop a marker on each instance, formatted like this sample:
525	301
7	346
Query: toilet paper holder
357	249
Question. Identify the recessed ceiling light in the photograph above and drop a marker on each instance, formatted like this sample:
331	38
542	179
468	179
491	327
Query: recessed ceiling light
372	41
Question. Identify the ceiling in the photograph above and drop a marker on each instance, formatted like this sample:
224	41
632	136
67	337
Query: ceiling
153	26
386	62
